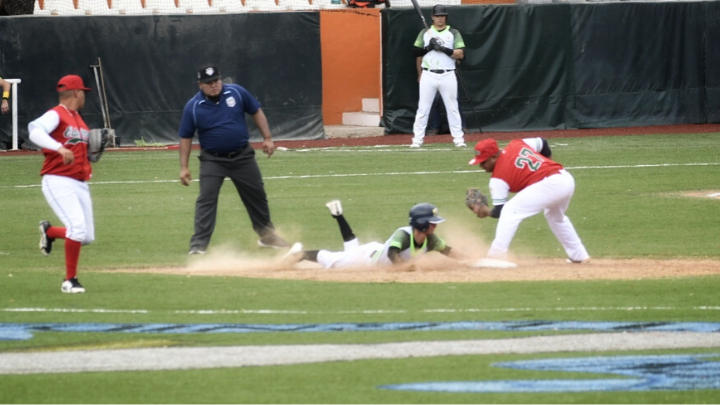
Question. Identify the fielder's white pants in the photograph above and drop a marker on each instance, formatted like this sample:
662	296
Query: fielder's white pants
70	201
552	196
446	84
353	255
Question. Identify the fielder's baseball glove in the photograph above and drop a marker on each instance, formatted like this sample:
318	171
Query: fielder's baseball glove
474	197
97	141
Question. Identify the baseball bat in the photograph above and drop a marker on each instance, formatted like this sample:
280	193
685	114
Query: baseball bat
467	95
422	17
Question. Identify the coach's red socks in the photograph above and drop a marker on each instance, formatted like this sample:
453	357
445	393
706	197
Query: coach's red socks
72	255
56	232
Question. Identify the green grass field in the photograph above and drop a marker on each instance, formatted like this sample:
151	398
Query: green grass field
628	203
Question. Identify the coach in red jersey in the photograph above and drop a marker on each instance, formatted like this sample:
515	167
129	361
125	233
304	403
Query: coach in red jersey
524	167
63	136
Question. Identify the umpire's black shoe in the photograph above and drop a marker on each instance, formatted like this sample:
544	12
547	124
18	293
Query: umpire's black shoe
273	241
45	242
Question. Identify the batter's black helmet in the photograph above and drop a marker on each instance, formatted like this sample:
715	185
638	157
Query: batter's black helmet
439	9
422	215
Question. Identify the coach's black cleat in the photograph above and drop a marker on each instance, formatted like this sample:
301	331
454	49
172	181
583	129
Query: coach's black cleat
45	242
72	286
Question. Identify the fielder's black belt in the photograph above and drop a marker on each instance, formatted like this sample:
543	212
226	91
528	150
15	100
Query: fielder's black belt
228	154
438	70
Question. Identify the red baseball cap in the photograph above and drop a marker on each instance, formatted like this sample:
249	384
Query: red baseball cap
483	151
71	82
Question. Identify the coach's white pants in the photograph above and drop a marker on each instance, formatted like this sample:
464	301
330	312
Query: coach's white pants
70	200
354	254
552	196
430	84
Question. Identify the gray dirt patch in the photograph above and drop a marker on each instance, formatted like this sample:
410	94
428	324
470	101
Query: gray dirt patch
246	356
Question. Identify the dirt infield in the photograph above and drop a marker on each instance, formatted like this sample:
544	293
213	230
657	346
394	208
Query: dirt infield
435	268
337	136
186	358
438	269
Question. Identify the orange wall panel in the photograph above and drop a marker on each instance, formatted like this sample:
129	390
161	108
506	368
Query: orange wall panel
350	41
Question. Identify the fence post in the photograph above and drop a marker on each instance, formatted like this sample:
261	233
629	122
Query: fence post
14	83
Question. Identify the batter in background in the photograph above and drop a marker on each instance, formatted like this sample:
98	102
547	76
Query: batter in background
525	167
63	136
435	120
439	47
217	114
405	244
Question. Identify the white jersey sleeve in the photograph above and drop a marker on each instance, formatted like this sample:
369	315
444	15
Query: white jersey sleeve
499	191
41	128
535	144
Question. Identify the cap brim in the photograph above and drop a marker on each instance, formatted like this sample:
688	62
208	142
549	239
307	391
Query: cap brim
436	220
475	161
63	88
209	79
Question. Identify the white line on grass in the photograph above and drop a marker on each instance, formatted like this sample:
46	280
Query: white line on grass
338	175
362	312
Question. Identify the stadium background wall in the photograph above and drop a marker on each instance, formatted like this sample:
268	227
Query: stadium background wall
528	67
558	66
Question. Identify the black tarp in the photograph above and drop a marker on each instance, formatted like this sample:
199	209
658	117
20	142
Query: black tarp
150	62
555	66
712	62
638	64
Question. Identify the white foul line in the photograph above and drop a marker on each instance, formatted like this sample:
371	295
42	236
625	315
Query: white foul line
368	311
324	176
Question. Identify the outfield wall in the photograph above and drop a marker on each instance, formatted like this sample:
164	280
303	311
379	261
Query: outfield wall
150	65
558	66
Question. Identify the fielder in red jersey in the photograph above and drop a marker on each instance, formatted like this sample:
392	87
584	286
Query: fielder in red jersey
63	136
525	167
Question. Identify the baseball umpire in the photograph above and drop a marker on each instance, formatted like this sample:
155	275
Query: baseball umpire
217	114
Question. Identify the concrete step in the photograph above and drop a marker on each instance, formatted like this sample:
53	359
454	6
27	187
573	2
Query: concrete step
351	131
371	105
361	118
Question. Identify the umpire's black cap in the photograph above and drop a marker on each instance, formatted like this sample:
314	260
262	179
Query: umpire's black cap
439	9
208	73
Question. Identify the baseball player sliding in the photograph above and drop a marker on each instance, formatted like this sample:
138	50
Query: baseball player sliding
439	46
525	167
405	244
63	136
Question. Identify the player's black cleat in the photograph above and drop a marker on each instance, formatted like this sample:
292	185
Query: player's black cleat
72	286
45	241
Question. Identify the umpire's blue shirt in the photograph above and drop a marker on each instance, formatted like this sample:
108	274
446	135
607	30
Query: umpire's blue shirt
221	127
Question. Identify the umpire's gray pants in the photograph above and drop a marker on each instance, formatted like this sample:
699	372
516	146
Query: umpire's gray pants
245	174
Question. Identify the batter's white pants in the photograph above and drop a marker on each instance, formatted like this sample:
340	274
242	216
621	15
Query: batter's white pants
353	255
552	196
446	84
70	200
